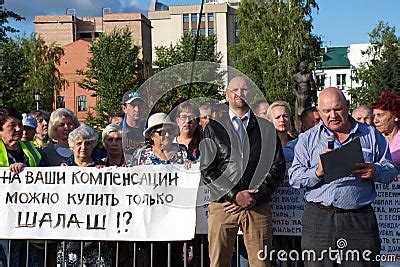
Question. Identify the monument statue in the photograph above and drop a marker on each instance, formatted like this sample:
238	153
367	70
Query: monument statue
306	92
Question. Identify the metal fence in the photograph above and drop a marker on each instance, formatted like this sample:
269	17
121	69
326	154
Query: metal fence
16	253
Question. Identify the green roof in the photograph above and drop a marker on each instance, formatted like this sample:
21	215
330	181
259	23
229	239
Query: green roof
334	57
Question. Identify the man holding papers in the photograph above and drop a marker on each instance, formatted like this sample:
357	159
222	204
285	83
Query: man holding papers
338	213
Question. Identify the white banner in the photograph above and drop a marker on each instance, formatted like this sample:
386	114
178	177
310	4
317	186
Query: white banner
387	210
287	207
144	203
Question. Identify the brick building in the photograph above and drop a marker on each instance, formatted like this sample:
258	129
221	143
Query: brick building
72	96
74	35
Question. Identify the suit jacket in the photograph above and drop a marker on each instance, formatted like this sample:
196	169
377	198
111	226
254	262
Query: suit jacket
228	166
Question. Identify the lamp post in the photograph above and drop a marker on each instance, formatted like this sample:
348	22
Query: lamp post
104	10
37	99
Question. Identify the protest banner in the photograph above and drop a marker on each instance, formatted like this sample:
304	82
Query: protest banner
387	210
144	203
287	207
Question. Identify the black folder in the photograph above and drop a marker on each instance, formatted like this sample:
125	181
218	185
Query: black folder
341	161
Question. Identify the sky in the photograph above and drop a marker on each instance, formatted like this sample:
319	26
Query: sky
338	22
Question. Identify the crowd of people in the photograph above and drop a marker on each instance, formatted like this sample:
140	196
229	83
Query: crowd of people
243	140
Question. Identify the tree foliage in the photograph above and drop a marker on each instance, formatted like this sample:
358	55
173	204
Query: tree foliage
182	52
29	66
5	15
274	38
382	71
112	70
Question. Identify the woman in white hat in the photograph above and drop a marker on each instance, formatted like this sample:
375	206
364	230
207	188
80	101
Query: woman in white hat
161	132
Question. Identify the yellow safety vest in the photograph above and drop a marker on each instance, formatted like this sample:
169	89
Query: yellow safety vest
29	150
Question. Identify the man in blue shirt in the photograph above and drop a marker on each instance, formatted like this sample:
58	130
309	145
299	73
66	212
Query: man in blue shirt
340	210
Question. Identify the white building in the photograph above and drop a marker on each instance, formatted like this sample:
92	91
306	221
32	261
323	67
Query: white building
338	67
169	23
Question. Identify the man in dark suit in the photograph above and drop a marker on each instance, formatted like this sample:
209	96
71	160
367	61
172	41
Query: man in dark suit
242	163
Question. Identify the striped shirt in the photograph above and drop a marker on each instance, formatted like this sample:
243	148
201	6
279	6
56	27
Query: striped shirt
347	192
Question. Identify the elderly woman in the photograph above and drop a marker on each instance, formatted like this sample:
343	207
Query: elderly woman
387	121
279	114
112	141
190	133
82	141
62	123
41	139
161	132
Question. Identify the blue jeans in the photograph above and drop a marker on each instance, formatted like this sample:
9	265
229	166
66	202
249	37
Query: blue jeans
18	254
243	258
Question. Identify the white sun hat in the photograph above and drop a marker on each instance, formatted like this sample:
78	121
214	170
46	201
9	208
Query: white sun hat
160	119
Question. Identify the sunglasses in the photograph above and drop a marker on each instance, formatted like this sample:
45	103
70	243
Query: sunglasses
164	132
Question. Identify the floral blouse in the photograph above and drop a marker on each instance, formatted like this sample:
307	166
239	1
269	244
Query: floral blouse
146	156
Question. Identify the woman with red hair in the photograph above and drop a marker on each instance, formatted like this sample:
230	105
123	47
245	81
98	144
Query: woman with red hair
387	121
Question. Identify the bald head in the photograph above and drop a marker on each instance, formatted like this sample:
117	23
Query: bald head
331	92
238	80
333	109
239	93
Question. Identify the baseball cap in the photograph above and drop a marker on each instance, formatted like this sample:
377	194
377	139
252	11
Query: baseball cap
131	96
29	121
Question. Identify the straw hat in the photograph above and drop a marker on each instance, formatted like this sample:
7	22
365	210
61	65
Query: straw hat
159	119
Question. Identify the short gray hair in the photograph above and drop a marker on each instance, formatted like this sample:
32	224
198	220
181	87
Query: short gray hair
363	107
113	127
55	119
278	104
83	133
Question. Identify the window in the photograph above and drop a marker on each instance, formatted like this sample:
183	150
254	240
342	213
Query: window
236	27
320	81
185	18
185	31
82	103
341	81
194	32
210	32
203	18
60	102
194	18
85	35
210	17
203	31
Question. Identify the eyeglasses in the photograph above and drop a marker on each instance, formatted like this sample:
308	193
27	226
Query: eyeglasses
186	117
206	117
164	132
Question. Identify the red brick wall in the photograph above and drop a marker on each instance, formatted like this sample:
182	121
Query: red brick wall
75	58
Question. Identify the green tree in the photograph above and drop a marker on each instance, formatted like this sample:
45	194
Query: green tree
14	68
29	66
274	38
43	76
5	15
182	52
112	70
382	71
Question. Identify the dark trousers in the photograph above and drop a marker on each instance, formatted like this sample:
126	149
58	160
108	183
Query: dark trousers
342	234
